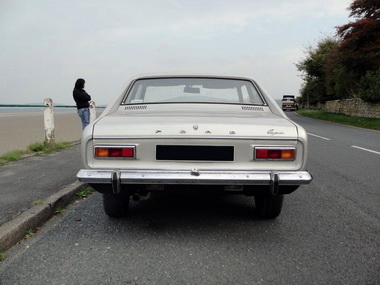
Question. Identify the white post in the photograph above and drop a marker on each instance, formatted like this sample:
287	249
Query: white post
92	111
49	122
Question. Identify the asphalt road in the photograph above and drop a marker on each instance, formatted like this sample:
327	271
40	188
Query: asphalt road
35	178
328	232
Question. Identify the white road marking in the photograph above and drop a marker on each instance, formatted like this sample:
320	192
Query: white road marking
365	149
313	135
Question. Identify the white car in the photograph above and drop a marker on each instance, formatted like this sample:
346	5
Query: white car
206	133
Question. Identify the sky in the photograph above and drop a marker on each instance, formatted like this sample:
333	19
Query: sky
45	45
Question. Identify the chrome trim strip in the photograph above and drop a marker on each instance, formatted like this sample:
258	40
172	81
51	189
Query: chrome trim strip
205	177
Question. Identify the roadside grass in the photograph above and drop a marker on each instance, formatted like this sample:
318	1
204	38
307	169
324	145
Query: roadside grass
38	202
367	123
2	256
31	232
35	148
84	192
59	211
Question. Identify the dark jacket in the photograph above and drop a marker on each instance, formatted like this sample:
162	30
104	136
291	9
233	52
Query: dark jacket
81	98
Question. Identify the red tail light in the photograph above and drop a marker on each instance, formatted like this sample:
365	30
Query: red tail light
272	153
115	152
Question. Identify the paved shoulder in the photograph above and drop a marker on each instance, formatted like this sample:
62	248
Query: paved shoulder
35	178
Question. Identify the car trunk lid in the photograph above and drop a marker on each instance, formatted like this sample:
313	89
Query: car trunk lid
193	120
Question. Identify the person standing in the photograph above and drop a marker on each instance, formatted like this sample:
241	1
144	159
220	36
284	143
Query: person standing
82	101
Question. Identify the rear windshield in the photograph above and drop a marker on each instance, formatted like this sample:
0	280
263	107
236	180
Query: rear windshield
193	90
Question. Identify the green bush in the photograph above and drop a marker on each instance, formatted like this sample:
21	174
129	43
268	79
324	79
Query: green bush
369	86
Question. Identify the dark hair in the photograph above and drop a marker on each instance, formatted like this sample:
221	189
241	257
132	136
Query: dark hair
79	84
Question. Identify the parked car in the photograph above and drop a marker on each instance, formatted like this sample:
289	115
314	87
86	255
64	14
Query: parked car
200	133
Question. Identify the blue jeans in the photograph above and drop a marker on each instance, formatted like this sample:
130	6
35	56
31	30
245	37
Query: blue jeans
84	115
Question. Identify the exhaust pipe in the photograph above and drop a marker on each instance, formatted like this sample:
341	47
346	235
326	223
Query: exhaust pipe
141	196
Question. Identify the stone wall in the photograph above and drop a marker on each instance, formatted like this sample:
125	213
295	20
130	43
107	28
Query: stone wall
353	107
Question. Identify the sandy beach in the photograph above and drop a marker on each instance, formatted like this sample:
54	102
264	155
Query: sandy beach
20	129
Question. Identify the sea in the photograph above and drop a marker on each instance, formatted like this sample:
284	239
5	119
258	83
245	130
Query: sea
22	111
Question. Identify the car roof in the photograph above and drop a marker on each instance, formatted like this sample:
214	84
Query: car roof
180	75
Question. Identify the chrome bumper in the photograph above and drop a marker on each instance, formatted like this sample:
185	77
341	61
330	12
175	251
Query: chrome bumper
194	176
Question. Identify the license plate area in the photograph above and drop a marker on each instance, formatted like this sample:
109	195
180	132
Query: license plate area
195	152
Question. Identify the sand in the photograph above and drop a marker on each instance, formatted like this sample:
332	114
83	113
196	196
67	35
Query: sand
18	130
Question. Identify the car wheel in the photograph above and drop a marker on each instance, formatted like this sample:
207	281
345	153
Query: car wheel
115	205
269	207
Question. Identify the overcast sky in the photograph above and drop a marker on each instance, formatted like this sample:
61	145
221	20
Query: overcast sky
45	45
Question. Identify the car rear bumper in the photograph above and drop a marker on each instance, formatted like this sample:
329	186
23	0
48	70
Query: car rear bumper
116	178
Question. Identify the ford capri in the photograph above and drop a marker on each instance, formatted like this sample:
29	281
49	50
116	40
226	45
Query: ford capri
206	134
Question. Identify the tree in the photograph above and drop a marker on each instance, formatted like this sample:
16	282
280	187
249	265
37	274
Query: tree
313	68
360	44
349	65
340	81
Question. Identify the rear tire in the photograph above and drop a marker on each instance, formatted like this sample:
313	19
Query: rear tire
269	207
115	205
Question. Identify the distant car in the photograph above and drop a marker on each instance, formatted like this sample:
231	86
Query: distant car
288	102
199	133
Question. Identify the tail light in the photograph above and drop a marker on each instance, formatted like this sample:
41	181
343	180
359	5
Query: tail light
275	153
115	152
